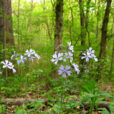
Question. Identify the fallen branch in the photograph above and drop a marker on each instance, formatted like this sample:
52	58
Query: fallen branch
19	101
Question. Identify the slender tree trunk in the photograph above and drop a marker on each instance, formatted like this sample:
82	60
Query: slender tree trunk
59	25
1	29
72	23
82	22
104	30
112	58
18	26
1	21
9	27
4	33
87	21
103	38
46	21
58	30
83	30
98	17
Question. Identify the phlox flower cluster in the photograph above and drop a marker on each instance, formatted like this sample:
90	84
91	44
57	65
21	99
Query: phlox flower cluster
68	56
71	48
14	55
89	54
22	59
64	57
28	55
57	57
7	64
31	54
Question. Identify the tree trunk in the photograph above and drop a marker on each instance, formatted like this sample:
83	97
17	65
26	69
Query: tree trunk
83	30
1	29
104	30
46	21
59	25
6	23
18	26
1	21
9	27
58	30
4	33
82	22
98	18
112	58
112	61
87	20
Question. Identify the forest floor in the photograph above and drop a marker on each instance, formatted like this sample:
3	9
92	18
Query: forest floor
28	101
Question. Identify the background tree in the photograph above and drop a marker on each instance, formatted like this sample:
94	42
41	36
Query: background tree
82	22
1	28
58	25
6	27
104	30
9	25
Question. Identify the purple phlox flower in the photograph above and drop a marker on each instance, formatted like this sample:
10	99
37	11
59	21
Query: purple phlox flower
31	58
76	68
69	55
57	57
14	55
5	63
64	71
95	59
86	70
21	60
90	50
85	56
71	48
37	56
92	54
89	55
31	54
9	65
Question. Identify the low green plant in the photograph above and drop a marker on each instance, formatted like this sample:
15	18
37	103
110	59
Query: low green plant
92	95
2	109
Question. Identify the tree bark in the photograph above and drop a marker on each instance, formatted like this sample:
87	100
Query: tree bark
1	29
8	18
87	20
4	34
59	25
82	22
1	21
9	27
98	18
112	58
46	21
83	30
104	30
6	24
